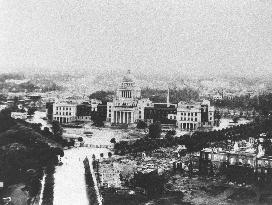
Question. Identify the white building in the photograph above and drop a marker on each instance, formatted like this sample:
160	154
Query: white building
127	106
19	115
217	97
95	103
193	116
64	112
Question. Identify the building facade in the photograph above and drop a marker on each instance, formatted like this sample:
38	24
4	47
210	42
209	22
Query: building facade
193	116
127	106
64	112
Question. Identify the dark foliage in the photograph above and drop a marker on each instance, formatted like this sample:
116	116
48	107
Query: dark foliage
155	130
200	140
48	193
90	183
104	96
141	124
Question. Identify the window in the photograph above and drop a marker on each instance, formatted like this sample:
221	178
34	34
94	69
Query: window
210	113
188	114
196	114
210	118
109	115
195	119
66	113
182	113
70	113
170	117
174	117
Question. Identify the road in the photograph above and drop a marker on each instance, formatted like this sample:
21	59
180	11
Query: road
70	185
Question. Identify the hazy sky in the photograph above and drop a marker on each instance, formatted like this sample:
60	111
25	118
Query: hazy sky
207	36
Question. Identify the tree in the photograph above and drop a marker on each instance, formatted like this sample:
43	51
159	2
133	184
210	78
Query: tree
113	140
31	111
141	124
58	151
71	143
97	119
57	130
155	130
109	154
104	96
80	139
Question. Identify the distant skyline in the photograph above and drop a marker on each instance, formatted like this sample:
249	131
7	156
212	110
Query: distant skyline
190	37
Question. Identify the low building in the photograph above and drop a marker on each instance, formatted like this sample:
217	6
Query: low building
160	112
84	112
238	165
19	115
217	97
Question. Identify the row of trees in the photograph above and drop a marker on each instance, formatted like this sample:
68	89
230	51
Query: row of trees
199	140
262	103
24	147
104	96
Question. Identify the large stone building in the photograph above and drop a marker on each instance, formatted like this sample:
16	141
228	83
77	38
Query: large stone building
195	115
127	106
64	112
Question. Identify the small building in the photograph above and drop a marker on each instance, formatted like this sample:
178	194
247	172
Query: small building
217	97
19	115
84	112
160	112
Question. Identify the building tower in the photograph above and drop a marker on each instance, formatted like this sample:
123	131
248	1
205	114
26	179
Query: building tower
168	98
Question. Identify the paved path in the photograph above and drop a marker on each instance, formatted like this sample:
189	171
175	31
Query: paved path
70	187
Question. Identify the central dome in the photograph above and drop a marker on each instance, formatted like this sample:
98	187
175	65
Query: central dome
128	77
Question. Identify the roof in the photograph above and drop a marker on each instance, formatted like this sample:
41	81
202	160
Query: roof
128	77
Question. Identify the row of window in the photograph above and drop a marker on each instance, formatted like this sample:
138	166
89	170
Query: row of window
63	113
188	119
189	114
63	108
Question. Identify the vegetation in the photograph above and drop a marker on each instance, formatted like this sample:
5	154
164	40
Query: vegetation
48	192
113	140
104	96
262	104
90	183
141	124
200	140
97	119
23	147
176	95
155	130
31	111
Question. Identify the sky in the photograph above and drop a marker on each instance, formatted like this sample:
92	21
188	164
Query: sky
170	36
